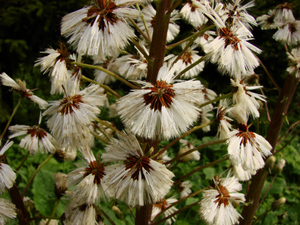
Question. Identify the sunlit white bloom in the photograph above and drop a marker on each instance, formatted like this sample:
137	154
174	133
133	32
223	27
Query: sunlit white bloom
133	67
241	174
192	15
103	77
224	125
248	148
36	139
195	155
289	33
238	16
164	108
294	62
205	38
99	30
232	52
136	179
230	49
7	175
87	182
216	205
267	21
149	16
161	205
245	101
102	131
20	87
80	214
7	209
284	13
56	63
185	189
189	57
70	117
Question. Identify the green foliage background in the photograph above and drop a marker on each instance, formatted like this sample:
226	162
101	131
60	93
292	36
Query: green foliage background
29	26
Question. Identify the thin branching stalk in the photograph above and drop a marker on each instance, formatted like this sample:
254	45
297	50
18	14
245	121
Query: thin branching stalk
107	88
203	58
35	172
180	200
108	72
108	125
174	6
262	215
54	210
191	40
200	168
23	161
140	48
11	117
178	157
175	213
288	132
182	136
140	31
269	75
105	215
228	95
268	189
198	33
145	25
266	105
286	144
101	139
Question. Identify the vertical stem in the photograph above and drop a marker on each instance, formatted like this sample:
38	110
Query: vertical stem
143	215
159	40
17	199
274	130
155	62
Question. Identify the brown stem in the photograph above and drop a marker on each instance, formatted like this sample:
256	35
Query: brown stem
155	62
143	215
159	40
274	130
17	199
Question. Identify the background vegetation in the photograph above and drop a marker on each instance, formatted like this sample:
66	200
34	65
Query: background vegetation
29	26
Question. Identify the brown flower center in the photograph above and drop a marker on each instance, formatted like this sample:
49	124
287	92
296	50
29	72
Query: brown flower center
105	11
36	131
230	39
245	134
186	58
162	204
136	163
97	169
161	95
68	104
222	197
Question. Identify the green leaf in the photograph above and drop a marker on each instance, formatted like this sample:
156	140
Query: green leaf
209	172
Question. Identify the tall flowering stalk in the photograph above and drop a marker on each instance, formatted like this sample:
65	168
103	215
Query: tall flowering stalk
139	43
